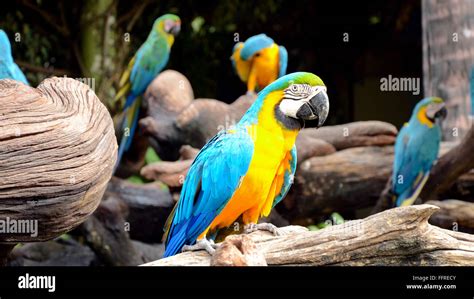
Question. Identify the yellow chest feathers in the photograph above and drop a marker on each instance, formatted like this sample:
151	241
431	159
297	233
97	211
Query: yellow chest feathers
264	179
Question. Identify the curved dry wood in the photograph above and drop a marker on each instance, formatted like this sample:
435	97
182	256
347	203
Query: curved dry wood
359	133
57	151
396	237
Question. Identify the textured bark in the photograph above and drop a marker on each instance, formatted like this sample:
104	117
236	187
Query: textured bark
57	151
448	56
396	237
238	250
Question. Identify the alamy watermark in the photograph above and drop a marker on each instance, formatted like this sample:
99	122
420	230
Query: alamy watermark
19	226
391	83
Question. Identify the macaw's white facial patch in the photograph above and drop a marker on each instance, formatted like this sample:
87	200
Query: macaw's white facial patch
433	110
168	25
296	95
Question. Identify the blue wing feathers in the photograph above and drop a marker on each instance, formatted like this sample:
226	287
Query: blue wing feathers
8	68
204	192
416	150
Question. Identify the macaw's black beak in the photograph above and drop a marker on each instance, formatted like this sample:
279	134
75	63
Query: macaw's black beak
315	111
440	115
175	29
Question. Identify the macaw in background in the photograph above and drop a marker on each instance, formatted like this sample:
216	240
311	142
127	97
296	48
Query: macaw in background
416	149
8	68
147	63
259	61
244	171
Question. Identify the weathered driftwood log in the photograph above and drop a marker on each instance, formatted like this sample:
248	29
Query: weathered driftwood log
57	151
238	250
361	133
342	182
175	119
396	237
454	214
148	208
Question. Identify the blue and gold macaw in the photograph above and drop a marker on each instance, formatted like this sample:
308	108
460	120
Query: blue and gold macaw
8	68
246	170
147	63
416	149
259	61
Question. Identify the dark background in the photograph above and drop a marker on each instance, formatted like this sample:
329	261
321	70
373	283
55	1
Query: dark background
384	38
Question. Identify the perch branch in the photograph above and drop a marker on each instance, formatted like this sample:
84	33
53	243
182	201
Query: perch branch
396	237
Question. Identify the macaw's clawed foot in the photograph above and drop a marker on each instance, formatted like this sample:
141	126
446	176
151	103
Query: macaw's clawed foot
252	227
203	244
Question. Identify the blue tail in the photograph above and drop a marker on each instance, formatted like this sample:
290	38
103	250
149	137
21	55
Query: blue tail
126	141
187	232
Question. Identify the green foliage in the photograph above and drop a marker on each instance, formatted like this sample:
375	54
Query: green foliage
334	219
65	237
151	156
136	179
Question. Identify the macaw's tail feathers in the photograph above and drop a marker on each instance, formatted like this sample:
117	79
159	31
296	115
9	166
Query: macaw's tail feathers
124	84
176	243
129	125
124	89
187	232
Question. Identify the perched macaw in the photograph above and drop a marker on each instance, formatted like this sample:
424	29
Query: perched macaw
259	61
416	149
8	68
246	170
147	63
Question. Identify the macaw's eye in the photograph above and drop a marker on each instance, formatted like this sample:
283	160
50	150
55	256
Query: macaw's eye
257	54
294	88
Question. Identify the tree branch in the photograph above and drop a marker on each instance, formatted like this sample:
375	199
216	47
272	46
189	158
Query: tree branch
396	237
